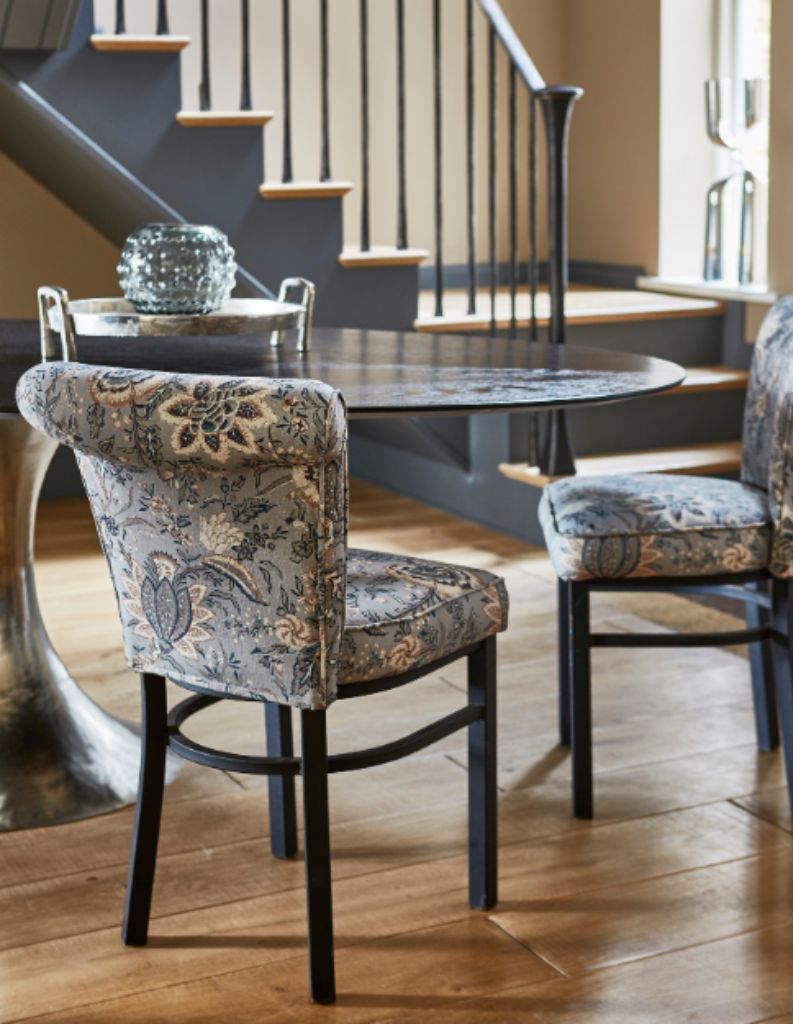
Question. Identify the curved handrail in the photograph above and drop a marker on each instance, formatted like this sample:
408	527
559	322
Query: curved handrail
523	63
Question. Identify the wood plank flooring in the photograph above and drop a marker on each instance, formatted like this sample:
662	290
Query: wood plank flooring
675	904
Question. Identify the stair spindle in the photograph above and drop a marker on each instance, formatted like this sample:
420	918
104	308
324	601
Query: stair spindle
121	18
364	40
470	154
513	202
533	264
438	104
245	91
324	172
162	18
204	91
492	182
402	217
287	90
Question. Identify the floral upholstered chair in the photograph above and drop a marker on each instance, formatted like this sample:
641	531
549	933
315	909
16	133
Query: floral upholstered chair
681	533
221	505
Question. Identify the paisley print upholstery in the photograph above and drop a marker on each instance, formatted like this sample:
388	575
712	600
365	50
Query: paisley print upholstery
654	525
221	505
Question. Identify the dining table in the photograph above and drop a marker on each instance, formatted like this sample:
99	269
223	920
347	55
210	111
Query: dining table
63	757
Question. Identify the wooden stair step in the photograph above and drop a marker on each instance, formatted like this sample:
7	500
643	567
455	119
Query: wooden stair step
304	189
128	43
718	457
223	118
711	378
383	256
584	305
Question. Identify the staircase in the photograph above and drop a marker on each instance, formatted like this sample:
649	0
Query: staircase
108	112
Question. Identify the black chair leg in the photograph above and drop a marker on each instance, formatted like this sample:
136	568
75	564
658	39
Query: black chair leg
314	768
482	781
580	700
783	672
281	788
761	660
146	832
563	626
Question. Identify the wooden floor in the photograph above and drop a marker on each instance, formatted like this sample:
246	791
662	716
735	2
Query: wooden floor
675	904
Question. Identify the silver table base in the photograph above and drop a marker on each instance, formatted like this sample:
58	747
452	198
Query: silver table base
61	756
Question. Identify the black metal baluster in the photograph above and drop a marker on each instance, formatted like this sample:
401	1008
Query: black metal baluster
245	91
364	41
492	183
470	154
438	99
162	18
121	18
324	79
402	216
287	89
204	91
533	265
513	201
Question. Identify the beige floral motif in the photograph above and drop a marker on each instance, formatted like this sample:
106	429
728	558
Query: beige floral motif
218	533
216	419
293	632
404	654
737	557
306	485
164	609
116	390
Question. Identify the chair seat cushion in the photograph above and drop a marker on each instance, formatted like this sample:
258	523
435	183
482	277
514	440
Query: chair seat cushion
403	613
654	524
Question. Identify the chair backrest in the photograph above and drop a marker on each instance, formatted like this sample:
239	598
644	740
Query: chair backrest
768	428
221	504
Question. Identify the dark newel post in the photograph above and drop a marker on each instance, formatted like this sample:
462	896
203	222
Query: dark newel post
470	154
513	202
557	107
364	41
245	92
324	78
162	18
402	215
121	19
204	93
492	180
287	91
438	104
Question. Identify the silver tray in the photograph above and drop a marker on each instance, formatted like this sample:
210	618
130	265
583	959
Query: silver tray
117	317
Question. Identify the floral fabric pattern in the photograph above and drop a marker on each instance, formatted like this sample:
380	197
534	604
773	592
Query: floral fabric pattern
221	505
768	429
654	525
406	612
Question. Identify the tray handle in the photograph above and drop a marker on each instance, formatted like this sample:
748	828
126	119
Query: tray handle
55	322
308	291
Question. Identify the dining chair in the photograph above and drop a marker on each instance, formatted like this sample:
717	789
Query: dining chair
221	505
687	535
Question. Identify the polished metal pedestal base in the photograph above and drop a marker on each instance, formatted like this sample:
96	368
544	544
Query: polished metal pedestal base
61	756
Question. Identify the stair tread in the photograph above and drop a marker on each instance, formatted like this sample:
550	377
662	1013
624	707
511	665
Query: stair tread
223	118
584	305
382	256
714	457
304	189
712	378
130	43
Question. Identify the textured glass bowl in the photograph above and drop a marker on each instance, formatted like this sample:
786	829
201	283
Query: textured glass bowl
177	268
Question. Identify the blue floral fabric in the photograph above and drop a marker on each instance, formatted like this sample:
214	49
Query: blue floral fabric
768	429
654	525
221	505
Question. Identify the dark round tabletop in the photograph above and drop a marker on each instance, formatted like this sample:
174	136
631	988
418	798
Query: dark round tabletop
380	373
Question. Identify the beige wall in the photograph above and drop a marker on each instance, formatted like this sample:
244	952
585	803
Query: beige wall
780	214
613	52
43	242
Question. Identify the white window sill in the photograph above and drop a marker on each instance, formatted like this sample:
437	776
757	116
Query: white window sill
729	291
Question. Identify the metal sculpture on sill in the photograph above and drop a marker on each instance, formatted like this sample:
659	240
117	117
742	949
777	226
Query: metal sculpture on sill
753	92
